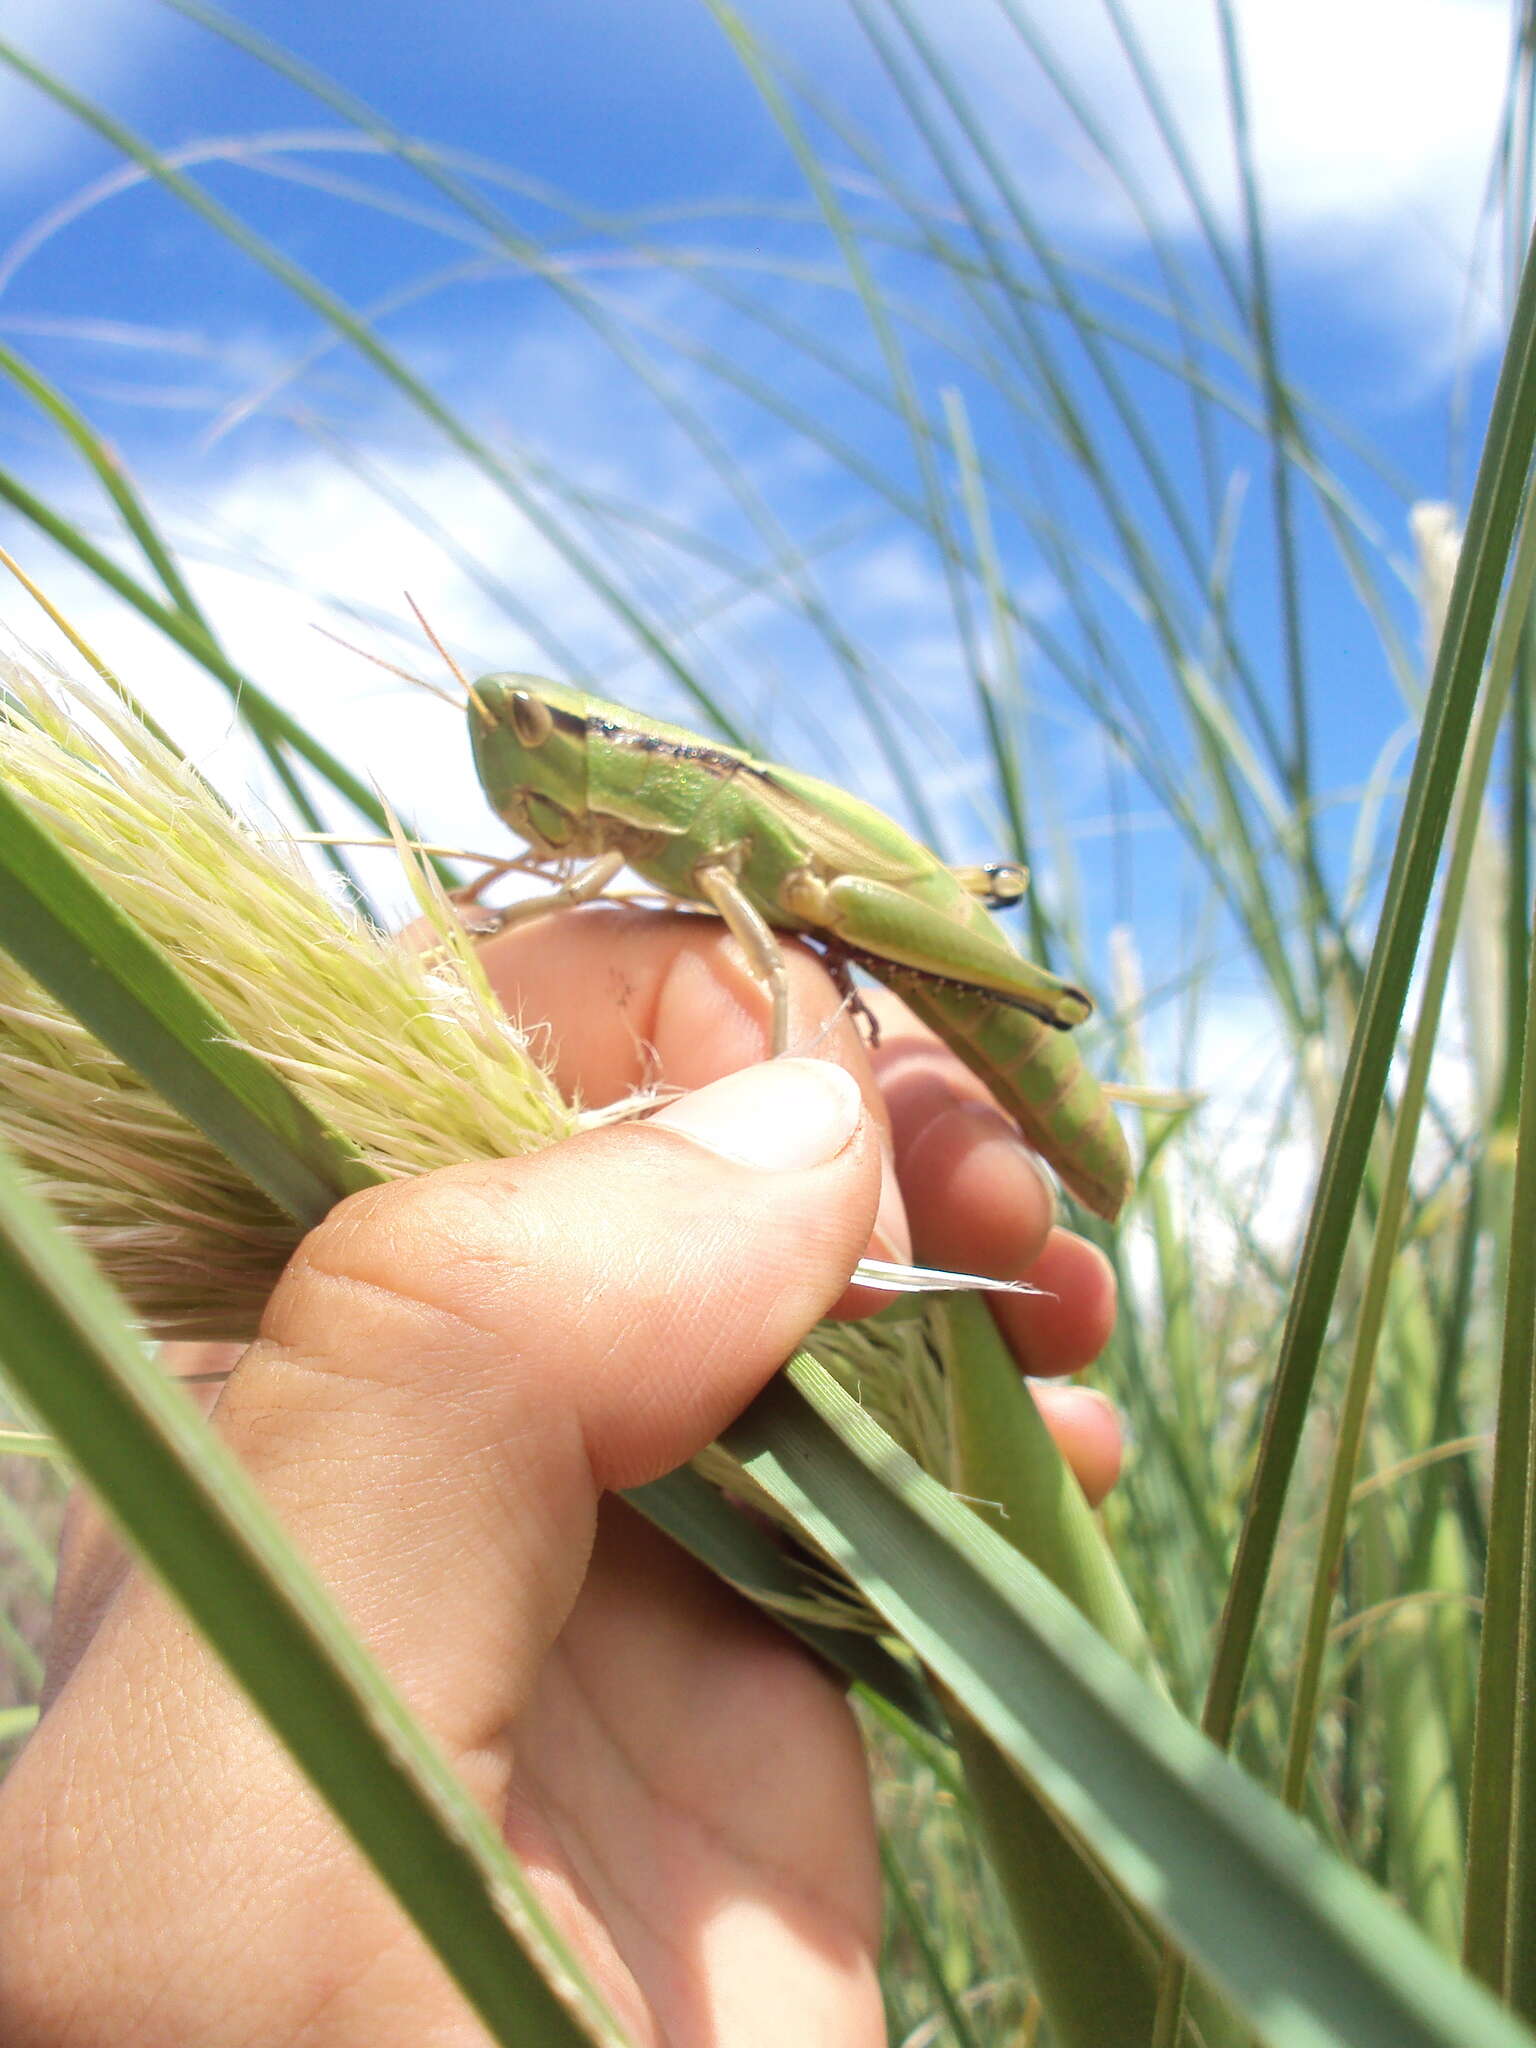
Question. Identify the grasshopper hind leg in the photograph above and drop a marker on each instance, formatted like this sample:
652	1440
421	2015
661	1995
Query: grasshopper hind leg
999	884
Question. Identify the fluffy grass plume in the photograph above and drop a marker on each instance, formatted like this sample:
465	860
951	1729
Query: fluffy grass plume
405	1052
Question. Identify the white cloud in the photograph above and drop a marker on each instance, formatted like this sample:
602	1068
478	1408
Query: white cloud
99	47
1374	122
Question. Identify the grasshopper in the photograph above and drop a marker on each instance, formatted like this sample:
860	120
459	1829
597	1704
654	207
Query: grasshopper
774	851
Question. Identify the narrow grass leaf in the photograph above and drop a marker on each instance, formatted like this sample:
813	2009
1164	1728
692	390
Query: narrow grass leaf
1500	1923
1305	1949
69	935
1426	810
1092	1960
697	1518
16	1722
1395	1184
263	713
911	1916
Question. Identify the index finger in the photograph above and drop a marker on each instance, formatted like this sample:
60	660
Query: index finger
630	997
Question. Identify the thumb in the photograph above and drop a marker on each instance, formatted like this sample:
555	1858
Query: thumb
453	1368
451	1371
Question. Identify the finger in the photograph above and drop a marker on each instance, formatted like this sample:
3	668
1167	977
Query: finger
1086	1428
978	1200
622	993
453	1368
623	998
1067	1323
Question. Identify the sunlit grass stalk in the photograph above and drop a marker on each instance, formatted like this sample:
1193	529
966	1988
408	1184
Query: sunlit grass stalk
1448	713
1466	832
1437	763
1500	1938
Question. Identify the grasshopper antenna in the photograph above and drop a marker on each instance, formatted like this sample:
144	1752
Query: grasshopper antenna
406	675
449	663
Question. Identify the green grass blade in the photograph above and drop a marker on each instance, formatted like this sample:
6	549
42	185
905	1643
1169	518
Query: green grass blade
1306	1950
1261	310
701	1521
195	1518
1385	1250
1500	1922
72	937
16	1722
962	2034
1426	809
27	1443
1173	140
1092	1961
1518	888
1001	694
110	473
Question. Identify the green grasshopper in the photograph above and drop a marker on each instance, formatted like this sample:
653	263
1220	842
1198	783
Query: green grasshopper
774	851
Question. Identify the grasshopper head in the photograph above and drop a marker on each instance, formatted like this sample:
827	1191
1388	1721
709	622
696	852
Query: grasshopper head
530	742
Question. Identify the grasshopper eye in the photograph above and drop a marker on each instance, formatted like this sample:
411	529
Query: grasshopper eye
532	719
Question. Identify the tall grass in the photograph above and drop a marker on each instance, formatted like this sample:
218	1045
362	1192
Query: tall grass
1132	528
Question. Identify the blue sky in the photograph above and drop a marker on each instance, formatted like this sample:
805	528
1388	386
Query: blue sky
282	471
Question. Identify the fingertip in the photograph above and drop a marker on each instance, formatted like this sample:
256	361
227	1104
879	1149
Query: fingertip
978	1199
1086	1428
1067	1323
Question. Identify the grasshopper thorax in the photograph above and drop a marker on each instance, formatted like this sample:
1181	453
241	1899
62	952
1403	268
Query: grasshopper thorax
530	742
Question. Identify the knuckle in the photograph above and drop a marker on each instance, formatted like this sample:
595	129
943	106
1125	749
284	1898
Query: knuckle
421	1250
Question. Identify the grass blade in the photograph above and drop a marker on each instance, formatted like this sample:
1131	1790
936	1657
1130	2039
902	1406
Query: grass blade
1306	1950
69	935
1426	809
260	711
698	1519
1092	1961
1395	1185
1499	1922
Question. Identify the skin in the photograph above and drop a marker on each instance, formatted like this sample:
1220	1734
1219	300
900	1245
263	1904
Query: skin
442	1434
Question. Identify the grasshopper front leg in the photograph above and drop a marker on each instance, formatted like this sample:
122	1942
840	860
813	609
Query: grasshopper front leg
755	936
581	888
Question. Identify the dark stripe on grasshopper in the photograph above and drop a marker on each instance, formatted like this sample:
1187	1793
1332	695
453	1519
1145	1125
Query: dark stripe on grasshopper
657	743
575	723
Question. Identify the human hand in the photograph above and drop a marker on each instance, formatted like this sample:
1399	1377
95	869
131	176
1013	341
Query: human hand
452	1377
